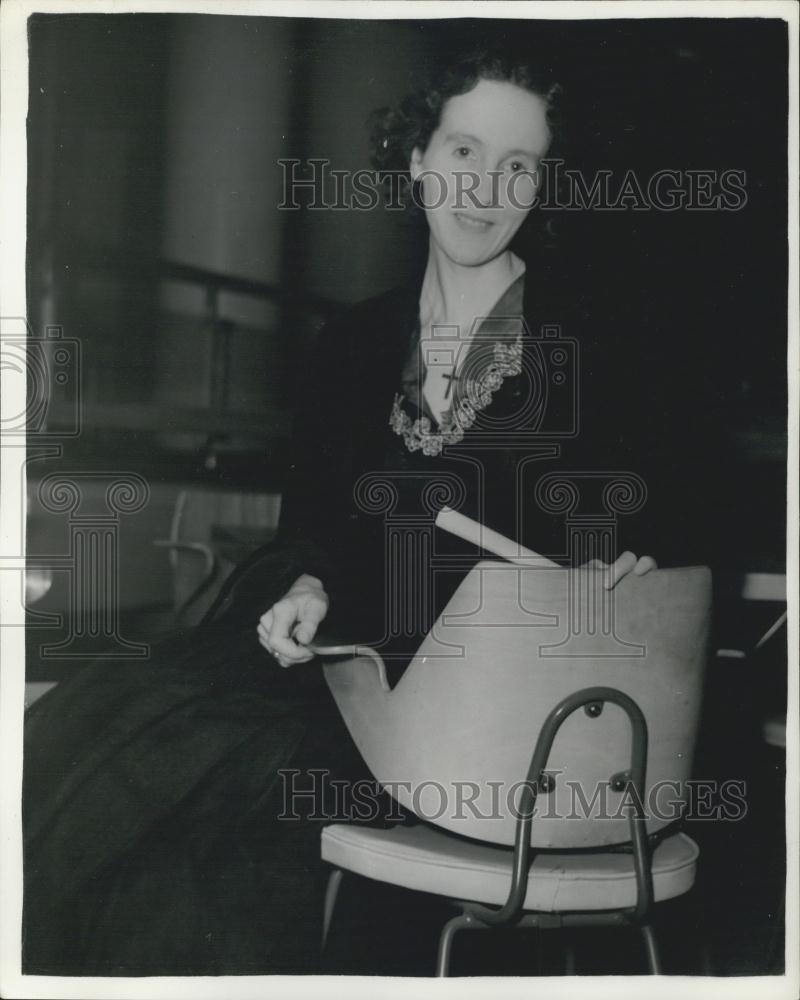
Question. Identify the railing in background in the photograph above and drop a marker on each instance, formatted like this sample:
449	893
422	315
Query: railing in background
218	418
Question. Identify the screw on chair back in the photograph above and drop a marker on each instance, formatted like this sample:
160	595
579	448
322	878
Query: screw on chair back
452	741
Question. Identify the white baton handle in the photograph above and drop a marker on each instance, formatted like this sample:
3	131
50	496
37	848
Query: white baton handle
492	541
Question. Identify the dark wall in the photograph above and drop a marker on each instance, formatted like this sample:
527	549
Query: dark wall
95	169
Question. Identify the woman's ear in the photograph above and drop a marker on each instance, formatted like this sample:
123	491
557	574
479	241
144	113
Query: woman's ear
415	166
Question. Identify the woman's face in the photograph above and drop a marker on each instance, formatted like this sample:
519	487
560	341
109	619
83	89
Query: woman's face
477	171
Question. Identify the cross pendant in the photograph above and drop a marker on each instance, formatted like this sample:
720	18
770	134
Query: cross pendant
450	379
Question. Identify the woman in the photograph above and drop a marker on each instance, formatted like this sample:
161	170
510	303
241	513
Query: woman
153	837
475	144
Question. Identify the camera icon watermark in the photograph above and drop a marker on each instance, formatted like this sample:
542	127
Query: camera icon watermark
49	372
470	369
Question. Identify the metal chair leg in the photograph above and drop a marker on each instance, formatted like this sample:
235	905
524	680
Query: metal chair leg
446	942
653	959
331	892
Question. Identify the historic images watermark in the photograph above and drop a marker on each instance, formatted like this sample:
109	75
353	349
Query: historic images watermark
49	416
49	367
591	504
314	794
539	414
315	185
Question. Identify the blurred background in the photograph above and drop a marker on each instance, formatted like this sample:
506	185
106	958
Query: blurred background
186	301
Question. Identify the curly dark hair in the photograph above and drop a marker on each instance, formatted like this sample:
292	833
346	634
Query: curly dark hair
395	132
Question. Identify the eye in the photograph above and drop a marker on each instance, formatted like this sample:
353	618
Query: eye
463	151
517	166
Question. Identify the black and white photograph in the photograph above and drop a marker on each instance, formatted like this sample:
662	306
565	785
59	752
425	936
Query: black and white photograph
399	498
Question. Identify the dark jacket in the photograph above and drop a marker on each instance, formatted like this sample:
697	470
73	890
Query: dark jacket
614	427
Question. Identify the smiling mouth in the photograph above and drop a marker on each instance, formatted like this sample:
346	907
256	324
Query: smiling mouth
470	222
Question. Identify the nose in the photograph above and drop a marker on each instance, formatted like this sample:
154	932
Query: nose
476	190
487	190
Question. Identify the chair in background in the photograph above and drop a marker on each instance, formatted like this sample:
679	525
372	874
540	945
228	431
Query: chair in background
539	681
766	593
764	589
211	531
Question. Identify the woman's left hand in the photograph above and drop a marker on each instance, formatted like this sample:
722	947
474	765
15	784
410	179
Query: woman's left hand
626	563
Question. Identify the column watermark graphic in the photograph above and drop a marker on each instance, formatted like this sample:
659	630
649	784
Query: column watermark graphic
92	561
591	535
83	509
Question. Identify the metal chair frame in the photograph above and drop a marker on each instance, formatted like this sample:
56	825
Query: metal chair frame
174	544
476	916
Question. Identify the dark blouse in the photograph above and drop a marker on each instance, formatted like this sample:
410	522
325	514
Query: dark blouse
544	393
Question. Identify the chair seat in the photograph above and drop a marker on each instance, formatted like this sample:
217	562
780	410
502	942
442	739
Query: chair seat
425	859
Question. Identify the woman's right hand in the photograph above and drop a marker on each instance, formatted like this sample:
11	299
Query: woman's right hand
291	623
